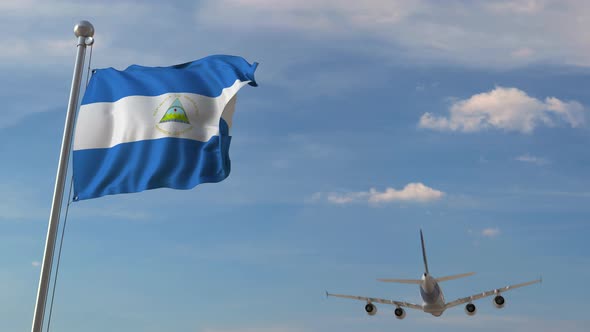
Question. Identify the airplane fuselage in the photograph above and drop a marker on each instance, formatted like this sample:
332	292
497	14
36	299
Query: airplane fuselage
433	300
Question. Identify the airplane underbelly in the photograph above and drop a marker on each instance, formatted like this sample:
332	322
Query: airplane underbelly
434	301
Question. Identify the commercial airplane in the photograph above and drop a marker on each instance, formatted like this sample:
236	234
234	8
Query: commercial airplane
432	296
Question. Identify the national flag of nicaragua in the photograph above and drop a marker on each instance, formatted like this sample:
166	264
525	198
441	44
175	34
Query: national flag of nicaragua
152	127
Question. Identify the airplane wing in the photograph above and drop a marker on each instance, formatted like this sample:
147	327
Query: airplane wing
377	300
488	293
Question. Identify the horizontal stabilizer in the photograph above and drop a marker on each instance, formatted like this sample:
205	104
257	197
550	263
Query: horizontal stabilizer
456	276
403	281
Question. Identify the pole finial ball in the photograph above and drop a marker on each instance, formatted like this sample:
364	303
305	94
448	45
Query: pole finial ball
84	29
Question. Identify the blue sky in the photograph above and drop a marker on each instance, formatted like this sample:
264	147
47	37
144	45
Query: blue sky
372	119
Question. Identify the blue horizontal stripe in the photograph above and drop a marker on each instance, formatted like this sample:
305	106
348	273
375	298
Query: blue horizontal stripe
207	76
166	162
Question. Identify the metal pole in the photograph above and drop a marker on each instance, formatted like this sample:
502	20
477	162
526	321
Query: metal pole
85	32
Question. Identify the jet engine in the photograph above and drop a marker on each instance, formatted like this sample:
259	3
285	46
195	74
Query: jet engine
499	301
399	313
470	309
371	309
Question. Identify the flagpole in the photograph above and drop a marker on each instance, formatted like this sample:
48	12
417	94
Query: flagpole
85	33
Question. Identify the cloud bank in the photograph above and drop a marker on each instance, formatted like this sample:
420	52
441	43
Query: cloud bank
501	33
509	109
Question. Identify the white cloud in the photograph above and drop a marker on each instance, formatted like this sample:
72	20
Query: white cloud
44	41
523	53
490	232
412	192
68	8
509	109
346	198
325	16
516	6
35	264
527	158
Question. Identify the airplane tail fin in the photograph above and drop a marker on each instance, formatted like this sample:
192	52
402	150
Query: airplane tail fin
456	276
402	281
414	281
424	253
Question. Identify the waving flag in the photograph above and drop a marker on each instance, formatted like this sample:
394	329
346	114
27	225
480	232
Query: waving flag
152	127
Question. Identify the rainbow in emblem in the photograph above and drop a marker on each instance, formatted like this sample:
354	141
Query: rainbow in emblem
175	113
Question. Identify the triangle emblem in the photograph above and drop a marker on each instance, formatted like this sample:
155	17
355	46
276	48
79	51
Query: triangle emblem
175	113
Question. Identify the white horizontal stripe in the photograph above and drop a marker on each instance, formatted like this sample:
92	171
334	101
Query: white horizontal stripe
137	118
